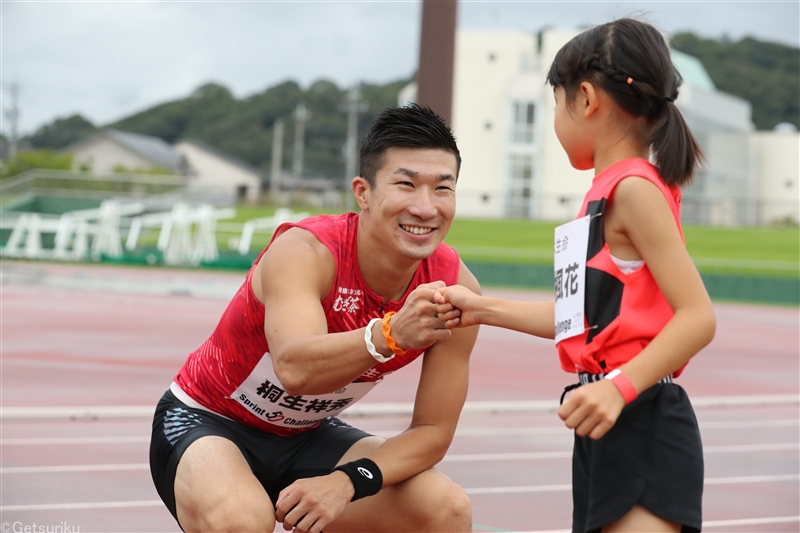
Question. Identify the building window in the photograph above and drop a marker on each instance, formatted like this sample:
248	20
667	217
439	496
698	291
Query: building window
521	185
522	123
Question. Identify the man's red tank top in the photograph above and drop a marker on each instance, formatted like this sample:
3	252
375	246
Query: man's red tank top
216	375
624	311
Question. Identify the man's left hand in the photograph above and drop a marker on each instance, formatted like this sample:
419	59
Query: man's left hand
311	504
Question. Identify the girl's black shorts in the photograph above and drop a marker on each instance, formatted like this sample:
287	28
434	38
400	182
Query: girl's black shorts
276	461
652	456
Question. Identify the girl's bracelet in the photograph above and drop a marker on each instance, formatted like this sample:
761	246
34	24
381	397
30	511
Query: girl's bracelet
624	385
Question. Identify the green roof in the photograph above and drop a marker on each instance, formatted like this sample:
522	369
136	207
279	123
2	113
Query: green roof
692	70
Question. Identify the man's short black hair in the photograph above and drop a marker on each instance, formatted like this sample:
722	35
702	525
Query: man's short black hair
411	126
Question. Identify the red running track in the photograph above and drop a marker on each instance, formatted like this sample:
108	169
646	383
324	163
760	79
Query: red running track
78	335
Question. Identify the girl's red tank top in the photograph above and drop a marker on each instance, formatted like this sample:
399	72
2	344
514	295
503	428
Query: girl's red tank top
623	312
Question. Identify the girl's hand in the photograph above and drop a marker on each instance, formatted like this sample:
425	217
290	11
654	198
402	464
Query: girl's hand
457	306
592	409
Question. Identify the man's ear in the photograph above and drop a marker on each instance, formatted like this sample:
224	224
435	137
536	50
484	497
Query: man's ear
588	98
361	191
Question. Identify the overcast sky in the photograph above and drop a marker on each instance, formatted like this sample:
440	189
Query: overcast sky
106	60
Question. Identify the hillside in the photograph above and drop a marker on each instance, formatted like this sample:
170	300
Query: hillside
244	127
766	74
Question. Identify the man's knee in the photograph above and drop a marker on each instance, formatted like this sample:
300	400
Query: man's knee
229	514
455	512
442	505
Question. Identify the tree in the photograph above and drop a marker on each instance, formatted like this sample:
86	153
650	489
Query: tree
765	74
244	127
62	132
31	159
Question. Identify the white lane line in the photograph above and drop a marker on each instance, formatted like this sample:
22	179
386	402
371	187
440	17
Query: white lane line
752	521
451	458
38	441
73	468
91	505
558	430
471	457
565	487
519	489
733	448
717	523
750	479
381	409
491	432
750	424
466	432
475	491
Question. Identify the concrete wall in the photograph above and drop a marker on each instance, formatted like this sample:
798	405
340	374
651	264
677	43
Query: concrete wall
211	171
563	187
778	169
103	155
486	63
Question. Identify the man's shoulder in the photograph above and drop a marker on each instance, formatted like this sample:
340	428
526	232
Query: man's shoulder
331	230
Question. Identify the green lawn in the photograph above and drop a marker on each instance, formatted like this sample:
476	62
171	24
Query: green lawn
760	251
766	251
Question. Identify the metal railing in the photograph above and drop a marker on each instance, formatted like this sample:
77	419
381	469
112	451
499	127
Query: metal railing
67	184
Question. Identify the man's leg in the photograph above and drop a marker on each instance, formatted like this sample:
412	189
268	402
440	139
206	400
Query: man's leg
429	501
215	490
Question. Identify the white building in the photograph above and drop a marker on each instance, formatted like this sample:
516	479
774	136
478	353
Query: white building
211	169
111	150
778	169
514	165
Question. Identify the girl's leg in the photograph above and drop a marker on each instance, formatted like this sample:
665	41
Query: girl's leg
641	520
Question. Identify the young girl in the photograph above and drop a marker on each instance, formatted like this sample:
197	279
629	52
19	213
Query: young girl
630	308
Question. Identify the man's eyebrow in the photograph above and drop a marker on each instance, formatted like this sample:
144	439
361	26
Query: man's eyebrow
414	174
407	172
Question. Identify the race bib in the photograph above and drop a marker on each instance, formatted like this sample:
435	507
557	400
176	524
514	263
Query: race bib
263	395
572	241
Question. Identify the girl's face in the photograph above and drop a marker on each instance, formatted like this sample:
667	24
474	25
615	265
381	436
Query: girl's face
572	129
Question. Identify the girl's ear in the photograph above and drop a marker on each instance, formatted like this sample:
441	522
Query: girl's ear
588	98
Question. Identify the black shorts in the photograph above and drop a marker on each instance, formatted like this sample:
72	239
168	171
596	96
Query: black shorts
276	461
652	456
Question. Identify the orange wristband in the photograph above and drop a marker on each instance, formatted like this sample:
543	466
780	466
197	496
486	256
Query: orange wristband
387	334
624	385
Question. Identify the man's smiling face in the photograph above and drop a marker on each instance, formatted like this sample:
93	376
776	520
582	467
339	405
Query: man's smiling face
412	204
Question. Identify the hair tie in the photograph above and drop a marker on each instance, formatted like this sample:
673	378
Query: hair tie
666	99
630	80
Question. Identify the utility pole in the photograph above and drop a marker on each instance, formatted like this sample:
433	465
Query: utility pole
277	158
301	115
354	107
12	114
437	46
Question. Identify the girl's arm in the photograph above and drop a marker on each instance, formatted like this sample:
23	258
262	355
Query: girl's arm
641	215
460	307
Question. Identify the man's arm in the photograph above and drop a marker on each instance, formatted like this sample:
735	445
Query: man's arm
440	397
295	275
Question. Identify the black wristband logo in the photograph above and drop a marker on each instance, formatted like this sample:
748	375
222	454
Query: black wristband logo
365	475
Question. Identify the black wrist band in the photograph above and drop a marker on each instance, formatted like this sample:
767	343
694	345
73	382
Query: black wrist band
365	476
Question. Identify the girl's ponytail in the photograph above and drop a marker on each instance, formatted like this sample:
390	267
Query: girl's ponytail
674	148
